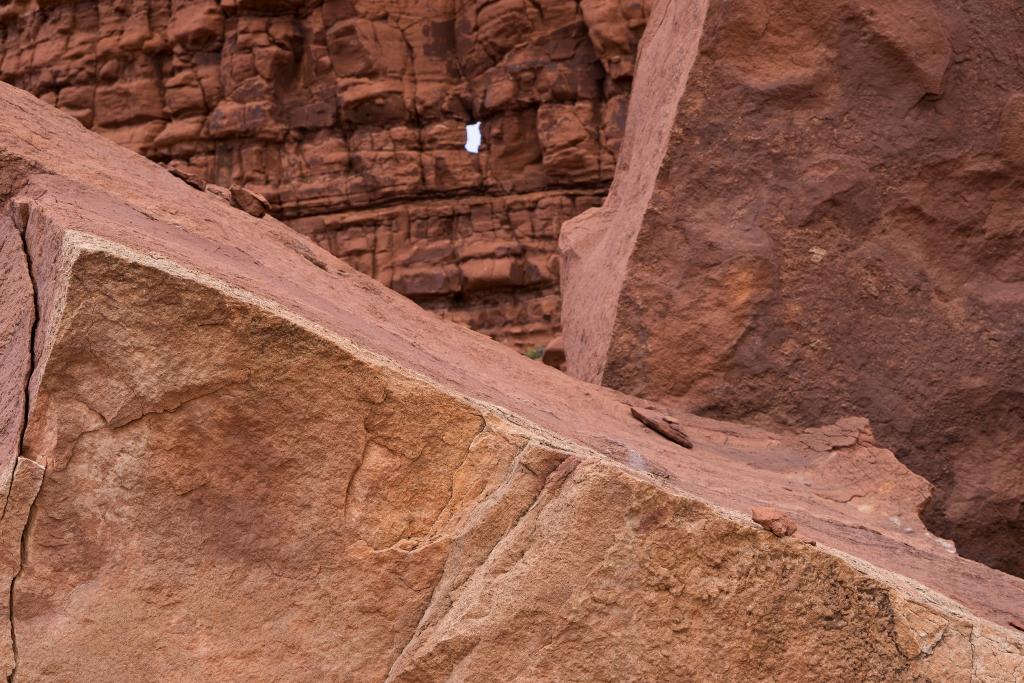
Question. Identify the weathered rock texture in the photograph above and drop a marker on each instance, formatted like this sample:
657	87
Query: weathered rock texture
349	116
818	214
258	463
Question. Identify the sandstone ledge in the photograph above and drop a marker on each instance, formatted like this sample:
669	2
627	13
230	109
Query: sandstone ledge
262	464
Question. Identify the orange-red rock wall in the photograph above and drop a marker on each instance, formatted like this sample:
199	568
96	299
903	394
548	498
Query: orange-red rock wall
350	117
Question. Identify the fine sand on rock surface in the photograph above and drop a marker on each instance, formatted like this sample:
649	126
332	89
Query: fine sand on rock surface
254	462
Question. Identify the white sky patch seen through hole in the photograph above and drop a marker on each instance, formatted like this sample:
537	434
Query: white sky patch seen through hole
473	138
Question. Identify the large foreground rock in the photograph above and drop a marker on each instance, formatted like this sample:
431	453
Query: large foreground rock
817	214
244	460
350	117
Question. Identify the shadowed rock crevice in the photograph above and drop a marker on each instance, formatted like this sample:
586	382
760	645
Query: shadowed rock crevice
23	476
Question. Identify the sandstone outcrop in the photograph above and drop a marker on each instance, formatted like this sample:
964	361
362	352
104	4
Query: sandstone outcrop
350	118
818	214
241	459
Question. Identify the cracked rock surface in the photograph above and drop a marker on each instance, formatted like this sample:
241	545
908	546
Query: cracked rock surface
350	116
817	214
254	462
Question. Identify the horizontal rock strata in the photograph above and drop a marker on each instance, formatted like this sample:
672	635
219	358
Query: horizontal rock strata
350	117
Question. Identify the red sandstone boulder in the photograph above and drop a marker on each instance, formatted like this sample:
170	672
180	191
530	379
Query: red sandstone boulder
231	457
817	213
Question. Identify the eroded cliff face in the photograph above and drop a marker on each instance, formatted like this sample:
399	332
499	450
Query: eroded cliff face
826	220
350	117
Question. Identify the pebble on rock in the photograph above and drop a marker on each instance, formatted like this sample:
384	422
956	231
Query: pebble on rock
774	521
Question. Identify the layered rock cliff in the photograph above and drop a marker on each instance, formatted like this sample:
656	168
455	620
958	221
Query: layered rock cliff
818	213
229	456
350	117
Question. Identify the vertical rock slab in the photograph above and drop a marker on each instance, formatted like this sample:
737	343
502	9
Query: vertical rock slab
830	229
596	248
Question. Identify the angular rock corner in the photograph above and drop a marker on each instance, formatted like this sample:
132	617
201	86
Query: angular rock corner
230	456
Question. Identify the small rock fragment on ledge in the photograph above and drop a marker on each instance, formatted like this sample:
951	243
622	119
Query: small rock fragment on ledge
190	178
665	425
251	202
219	191
774	521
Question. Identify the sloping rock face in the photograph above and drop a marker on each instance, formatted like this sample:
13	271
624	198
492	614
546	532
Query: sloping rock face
241	459
817	215
349	116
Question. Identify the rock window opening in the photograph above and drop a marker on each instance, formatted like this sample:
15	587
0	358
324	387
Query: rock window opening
473	137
